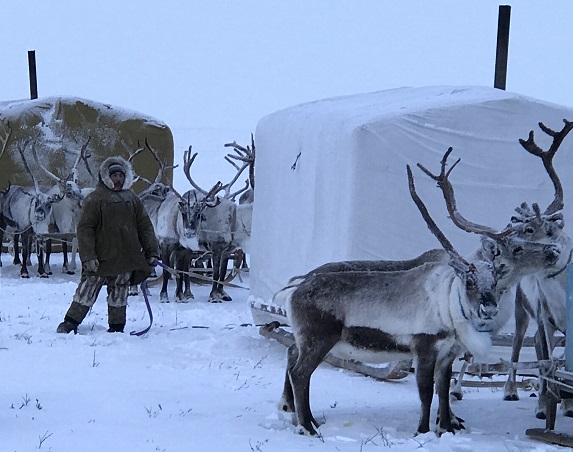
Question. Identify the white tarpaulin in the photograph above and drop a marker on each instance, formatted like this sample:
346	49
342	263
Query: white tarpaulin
347	197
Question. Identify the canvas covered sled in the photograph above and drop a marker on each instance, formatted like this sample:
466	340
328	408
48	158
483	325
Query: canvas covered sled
332	185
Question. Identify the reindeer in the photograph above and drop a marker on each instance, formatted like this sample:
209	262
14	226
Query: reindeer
433	308
66	213
542	296
217	225
244	213
7	132
27	212
175	219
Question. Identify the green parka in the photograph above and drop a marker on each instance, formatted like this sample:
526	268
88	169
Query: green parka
114	227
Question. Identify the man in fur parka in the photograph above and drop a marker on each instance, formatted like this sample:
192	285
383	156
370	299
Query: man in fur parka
117	246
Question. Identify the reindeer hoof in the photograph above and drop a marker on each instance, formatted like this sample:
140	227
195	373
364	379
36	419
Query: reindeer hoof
24	276
511	397
306	432
70	272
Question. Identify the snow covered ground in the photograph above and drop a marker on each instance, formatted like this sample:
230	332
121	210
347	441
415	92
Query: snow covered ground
202	379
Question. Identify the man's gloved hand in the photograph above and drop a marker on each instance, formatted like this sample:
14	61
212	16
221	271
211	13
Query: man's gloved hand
152	261
91	266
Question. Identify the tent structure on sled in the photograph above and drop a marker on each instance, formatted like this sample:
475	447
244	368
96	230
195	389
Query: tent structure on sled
332	183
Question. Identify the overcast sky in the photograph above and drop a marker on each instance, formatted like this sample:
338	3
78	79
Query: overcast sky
229	63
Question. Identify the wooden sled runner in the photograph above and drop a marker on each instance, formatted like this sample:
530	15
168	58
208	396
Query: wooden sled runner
560	383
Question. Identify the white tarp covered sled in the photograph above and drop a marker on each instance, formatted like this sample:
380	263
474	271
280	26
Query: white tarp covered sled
332	184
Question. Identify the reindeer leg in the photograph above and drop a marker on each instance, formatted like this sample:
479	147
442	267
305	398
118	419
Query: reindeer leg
220	262
287	400
222	274
48	253
426	357
73	266
313	348
16	244
447	421
543	350
457	391
187	294
215	296
26	245
40	253
65	265
163	295
521	324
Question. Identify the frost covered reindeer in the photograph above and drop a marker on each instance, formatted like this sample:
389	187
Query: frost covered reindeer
216	229
542	296
4	139
175	218
433	309
244	214
27	211
66	213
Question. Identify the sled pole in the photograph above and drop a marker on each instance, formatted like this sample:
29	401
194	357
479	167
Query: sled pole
502	51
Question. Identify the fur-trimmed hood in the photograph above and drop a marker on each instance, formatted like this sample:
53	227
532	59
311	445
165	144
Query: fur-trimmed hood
116	160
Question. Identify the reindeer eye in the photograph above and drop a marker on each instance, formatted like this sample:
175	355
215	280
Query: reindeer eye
529	230
517	250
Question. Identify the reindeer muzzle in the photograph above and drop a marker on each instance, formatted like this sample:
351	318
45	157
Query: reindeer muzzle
553	253
39	215
488	307
189	233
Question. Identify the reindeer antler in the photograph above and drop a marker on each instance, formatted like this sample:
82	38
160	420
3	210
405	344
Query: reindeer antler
7	134
58	179
432	226
161	164
82	156
547	158
448	192
131	154
245	155
21	151
188	160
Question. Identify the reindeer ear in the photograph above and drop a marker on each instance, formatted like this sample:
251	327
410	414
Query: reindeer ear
490	248
502	271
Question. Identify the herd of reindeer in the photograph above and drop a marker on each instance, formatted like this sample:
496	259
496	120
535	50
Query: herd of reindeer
438	306
434	307
195	229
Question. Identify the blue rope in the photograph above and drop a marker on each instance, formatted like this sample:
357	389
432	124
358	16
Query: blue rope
144	289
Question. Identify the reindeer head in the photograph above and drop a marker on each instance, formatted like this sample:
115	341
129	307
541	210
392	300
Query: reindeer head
478	288
191	210
42	206
505	249
530	223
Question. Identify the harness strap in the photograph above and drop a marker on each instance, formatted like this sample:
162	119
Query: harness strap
144	289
